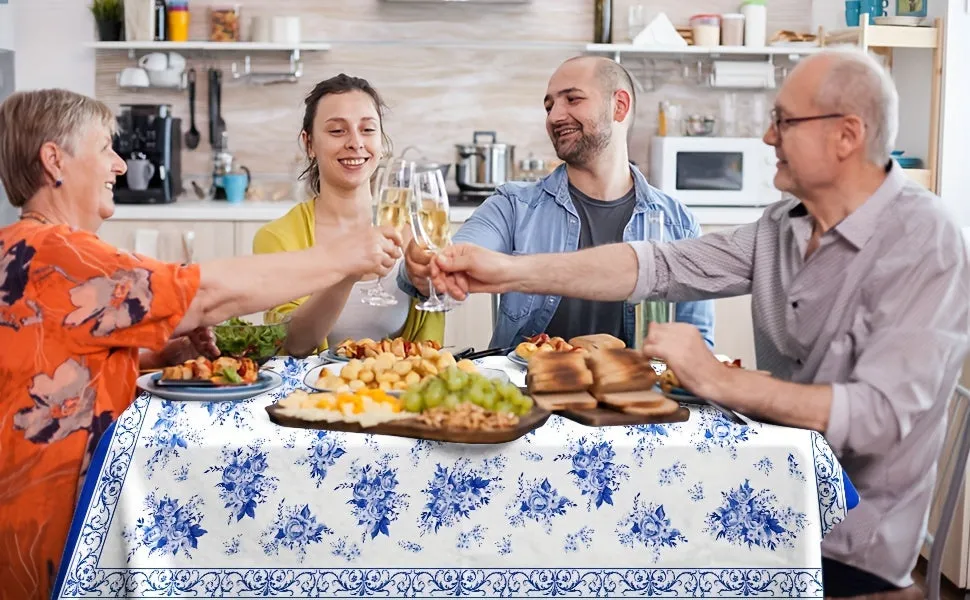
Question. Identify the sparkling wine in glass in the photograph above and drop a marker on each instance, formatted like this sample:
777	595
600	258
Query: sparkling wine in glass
431	226
391	209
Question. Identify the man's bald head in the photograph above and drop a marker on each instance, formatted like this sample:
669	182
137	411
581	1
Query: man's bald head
612	76
851	82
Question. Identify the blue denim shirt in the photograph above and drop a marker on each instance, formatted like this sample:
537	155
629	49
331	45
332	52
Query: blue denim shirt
533	218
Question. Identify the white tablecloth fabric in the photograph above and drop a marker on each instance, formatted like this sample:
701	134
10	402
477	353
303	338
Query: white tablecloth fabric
207	500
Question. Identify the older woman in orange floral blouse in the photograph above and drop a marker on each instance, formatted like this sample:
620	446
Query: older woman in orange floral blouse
76	314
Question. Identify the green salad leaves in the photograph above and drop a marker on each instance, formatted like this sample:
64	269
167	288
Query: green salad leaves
239	339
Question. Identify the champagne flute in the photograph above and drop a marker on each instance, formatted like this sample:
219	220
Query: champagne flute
431	226
391	209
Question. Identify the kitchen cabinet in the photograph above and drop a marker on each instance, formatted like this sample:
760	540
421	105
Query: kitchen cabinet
204	240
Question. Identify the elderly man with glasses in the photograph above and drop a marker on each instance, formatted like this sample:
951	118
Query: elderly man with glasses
860	290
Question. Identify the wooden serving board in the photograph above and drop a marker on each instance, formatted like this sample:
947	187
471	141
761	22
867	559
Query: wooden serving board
411	428
606	417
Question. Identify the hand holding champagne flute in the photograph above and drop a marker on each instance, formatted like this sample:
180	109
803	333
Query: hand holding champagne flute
391	210
431	226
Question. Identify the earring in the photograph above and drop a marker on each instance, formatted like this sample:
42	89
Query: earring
58	183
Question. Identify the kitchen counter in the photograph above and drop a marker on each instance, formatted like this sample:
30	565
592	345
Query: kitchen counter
191	209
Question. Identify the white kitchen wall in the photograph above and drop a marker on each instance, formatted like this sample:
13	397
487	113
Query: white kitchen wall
7	39
954	175
50	47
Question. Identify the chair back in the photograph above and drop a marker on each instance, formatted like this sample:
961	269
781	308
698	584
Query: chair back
951	473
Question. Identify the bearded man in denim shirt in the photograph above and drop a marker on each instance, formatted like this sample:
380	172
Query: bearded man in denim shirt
597	197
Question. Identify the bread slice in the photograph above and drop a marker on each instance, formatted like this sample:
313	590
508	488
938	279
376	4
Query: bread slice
565	401
620	370
559	381
597	341
660	409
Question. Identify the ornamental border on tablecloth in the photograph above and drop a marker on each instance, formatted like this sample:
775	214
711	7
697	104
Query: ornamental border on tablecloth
85	579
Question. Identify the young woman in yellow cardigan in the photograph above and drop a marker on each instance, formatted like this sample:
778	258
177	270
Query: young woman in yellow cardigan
344	140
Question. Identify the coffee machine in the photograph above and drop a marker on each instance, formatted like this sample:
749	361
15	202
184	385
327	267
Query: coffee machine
149	140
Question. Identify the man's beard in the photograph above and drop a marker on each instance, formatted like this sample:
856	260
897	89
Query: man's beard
583	150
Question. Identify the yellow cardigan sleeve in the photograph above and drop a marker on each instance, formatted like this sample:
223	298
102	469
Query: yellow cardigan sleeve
267	242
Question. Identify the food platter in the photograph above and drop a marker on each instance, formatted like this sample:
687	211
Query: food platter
312	378
266	381
412	428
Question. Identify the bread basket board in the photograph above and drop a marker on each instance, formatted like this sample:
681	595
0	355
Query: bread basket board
601	414
412	428
607	417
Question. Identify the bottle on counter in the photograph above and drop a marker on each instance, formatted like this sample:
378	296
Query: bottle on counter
603	22
755	22
662	118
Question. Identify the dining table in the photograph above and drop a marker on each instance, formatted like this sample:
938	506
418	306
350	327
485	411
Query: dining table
209	498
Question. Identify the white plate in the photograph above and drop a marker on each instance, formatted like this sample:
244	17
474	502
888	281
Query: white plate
901	20
518	359
314	374
268	380
330	355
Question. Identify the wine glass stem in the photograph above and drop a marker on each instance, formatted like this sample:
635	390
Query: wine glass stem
432	295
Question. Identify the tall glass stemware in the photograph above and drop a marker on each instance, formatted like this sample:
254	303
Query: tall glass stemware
653	311
391	208
431	226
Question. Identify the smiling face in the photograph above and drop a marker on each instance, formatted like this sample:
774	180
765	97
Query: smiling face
89	174
346	139
579	117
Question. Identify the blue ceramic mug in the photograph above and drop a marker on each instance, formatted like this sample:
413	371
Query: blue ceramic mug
874	8
853	8
236	185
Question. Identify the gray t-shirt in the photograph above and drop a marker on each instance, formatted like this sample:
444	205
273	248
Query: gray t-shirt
599	223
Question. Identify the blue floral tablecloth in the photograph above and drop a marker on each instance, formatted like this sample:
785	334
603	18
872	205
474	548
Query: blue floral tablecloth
212	500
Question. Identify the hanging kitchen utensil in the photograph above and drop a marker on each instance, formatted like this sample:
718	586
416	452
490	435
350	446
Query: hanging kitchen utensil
221	122
214	135
192	135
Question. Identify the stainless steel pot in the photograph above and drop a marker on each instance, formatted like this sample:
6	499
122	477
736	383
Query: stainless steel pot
483	166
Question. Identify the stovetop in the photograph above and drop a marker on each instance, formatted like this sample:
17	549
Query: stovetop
465	198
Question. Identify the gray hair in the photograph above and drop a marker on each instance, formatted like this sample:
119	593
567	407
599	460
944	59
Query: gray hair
855	83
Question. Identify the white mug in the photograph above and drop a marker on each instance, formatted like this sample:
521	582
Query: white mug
133	77
140	171
176	62
260	29
286	30
156	61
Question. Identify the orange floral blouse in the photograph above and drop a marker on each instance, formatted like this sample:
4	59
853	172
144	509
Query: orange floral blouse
74	313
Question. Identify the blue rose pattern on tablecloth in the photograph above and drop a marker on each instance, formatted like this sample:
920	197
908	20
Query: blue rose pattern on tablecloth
295	528
170	527
794	470
715	431
537	501
583	537
452	494
322	454
649	438
170	434
595	471
375	502
764	465
223	411
648	526
244	482
673	474
753	518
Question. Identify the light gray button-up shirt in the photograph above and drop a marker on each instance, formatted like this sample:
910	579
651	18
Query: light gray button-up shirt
881	310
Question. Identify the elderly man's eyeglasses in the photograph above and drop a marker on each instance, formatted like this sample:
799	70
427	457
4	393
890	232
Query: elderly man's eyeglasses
783	123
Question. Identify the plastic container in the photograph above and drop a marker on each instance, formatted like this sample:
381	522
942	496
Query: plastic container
224	23
755	22
732	29
178	22
706	30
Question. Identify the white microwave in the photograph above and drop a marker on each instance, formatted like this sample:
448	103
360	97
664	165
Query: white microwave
714	171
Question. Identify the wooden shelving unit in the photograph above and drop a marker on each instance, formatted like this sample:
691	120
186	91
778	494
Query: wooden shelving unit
883	39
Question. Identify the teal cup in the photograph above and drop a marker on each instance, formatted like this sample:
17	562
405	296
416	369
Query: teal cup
236	186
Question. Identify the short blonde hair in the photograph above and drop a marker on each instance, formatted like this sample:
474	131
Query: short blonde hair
28	120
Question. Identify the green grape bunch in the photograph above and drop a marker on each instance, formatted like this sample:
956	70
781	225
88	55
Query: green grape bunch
453	387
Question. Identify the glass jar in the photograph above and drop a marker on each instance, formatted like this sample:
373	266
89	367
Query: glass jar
224	23
178	22
706	30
